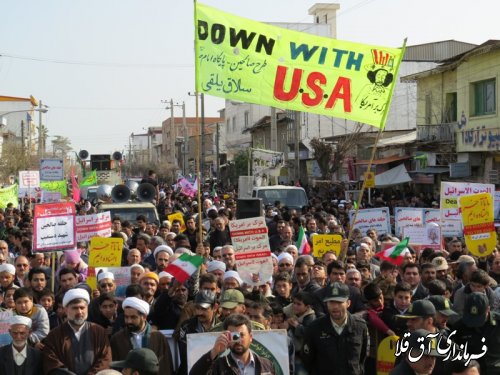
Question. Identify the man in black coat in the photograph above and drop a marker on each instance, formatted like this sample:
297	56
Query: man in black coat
19	357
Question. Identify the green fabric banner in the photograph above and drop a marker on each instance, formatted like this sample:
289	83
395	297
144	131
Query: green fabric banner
60	186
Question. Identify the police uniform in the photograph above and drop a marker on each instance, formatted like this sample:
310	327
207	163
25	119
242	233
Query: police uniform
326	351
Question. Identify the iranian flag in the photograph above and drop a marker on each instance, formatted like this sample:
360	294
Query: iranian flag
302	243
395	254
184	266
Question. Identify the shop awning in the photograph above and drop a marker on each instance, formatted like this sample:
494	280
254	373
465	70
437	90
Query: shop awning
398	140
387	160
394	176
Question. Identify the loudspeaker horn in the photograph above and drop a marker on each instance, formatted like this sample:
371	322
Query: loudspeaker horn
120	194
83	154
132	185
117	155
104	192
146	192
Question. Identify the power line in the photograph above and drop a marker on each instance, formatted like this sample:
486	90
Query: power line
96	63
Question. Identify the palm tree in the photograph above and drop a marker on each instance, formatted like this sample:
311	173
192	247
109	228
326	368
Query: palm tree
44	134
61	144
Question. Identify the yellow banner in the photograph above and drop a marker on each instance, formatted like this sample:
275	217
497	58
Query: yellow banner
104	252
253	62
323	243
9	195
478	219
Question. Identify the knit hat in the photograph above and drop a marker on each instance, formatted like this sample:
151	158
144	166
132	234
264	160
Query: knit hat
72	256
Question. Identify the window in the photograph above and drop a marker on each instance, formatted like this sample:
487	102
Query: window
247	115
484	98
428	109
228	122
234	124
451	107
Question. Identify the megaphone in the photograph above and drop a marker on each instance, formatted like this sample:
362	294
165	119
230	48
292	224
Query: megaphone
83	154
146	192
132	185
104	192
120	194
117	155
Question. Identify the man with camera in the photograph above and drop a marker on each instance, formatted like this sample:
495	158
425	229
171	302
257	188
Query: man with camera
236	337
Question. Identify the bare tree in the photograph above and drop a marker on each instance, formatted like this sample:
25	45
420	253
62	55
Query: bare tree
61	145
330	156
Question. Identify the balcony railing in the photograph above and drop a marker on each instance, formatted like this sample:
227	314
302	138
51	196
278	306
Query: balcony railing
437	133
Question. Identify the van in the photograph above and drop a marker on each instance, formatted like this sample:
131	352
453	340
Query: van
290	196
130	210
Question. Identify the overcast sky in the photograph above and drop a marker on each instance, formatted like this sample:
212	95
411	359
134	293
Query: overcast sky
104	66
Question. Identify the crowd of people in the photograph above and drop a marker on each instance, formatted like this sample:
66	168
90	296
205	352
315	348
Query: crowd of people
336	309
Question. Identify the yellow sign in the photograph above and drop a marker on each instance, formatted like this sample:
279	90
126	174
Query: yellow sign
177	216
369	179
478	220
322	243
104	252
253	62
385	355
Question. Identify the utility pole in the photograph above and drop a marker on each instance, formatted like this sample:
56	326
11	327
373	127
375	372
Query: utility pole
23	145
173	134
217	150
274	130
202	166
41	145
186	139
296	118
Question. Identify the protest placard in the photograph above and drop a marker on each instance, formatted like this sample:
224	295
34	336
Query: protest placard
95	225
452	191
60	187
252	252
424	236
29	183
323	243
50	196
407	217
372	218
51	170
271	344
5	338
121	275
479	229
385	355
104	252
497	208
54	226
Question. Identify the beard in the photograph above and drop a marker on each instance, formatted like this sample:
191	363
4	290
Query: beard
238	349
133	328
19	343
77	322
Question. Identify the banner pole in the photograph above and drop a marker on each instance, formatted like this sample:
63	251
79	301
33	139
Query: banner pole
200	182
343	252
53	281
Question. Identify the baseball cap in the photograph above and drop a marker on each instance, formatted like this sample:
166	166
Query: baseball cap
231	298
476	305
204	299
442	305
440	263
141	359
419	309
465	259
420	339
338	292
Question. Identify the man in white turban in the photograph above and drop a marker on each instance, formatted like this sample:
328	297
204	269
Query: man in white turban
138	334
77	345
19	357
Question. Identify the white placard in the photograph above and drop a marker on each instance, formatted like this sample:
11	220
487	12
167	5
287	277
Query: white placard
372	218
96	225
407	217
252	252
452	191
54	226
51	170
